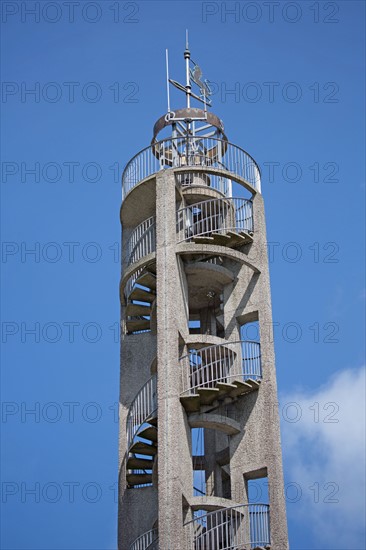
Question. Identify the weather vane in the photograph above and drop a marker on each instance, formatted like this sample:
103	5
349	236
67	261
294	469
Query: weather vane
196	74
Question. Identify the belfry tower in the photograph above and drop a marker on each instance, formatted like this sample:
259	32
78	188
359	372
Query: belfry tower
200	453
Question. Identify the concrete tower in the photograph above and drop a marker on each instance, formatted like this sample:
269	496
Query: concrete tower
199	427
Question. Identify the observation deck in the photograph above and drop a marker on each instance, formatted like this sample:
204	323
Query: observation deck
188	156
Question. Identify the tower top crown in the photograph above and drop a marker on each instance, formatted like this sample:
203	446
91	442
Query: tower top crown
190	121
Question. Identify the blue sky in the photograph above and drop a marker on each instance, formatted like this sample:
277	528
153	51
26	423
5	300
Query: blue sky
295	71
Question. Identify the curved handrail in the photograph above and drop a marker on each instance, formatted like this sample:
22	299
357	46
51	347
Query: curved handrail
204	367
142	407
142	241
144	541
192	151
131	282
230	528
215	216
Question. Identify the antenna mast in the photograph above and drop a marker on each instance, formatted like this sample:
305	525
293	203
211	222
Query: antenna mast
167	78
187	57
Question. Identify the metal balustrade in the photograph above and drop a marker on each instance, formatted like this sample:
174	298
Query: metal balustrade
259	526
203	368
215	216
251	360
143	407
145	541
233	528
195	152
142	241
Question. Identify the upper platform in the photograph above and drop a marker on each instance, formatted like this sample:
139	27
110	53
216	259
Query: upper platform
197	142
192	153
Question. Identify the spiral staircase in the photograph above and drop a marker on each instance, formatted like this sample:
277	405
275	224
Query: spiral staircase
140	301
141	455
142	436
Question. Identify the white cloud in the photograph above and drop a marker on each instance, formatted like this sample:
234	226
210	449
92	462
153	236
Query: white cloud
325	450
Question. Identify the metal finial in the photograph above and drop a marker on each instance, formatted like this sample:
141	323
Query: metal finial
187	45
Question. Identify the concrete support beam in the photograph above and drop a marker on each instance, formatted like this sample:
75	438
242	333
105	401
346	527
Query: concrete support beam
174	450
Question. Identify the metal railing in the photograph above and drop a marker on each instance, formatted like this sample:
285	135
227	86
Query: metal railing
203	368
145	541
191	151
231	528
130	284
251	360
215	216
142	408
142	241
259	525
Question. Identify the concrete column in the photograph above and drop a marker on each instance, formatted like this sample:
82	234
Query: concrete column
174	465
272	437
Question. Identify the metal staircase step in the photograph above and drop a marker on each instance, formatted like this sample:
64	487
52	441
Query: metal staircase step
237	238
137	309
244	240
242	388
191	403
147	279
203	240
207	395
221	238
233	234
134	325
149	433
140	295
142	448
254	383
134	462
153	420
138	479
248	236
225	388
